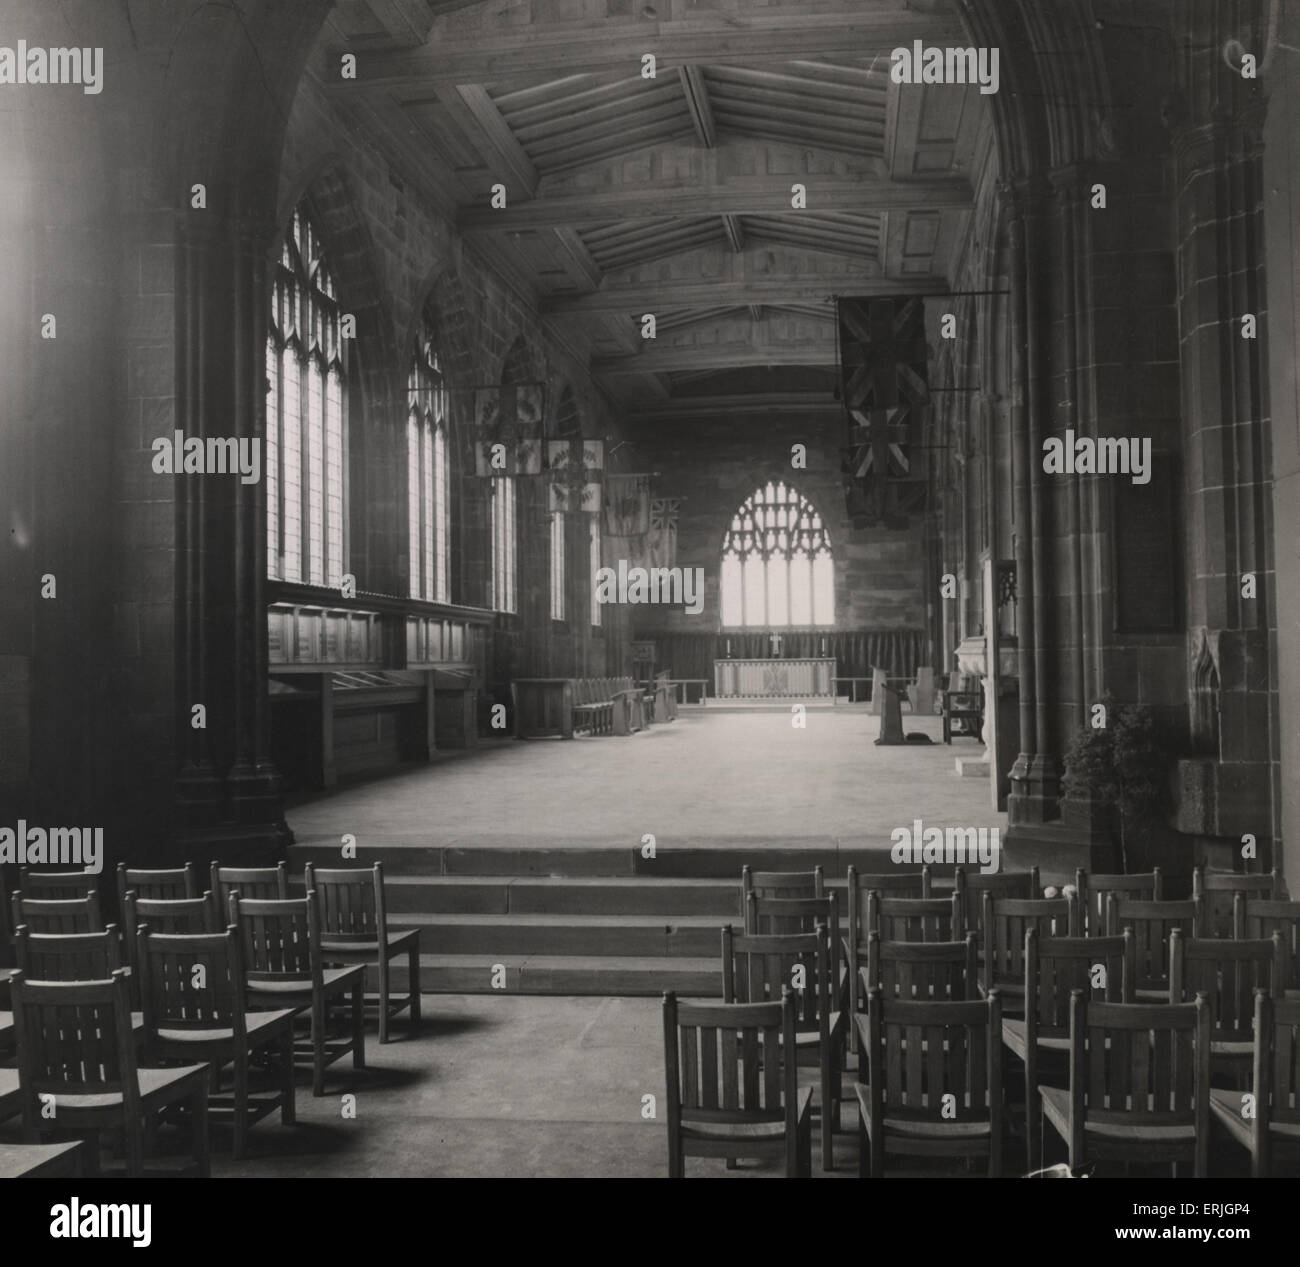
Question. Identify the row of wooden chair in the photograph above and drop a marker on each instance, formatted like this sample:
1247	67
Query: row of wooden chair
351	913
915	951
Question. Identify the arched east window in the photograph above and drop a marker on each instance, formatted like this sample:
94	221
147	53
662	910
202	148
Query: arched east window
504	558
305	414
428	507
776	563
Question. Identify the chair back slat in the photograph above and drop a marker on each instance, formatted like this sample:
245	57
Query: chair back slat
349	901
788	916
1217	890
263	884
1258	919
1094	892
1057	966
760	1036
68	956
57	884
279	939
915	918
192	981
972	884
1147	1065
1151	924
762	968
927	1052
922	971
1005	922
167	884
1277	1063
1227	974
57	915
74	1038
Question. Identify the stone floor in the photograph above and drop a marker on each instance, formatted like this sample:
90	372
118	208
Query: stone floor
708	776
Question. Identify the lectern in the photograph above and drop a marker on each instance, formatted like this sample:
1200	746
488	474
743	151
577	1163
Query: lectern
891	716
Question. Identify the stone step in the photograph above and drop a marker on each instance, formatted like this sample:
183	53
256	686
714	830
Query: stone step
674	859
636	936
563	974
561	895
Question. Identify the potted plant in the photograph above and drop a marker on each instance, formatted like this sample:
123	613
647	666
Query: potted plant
1121	769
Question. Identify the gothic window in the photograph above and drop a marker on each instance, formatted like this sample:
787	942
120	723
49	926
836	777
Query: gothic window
428	509
776	563
305	414
557	565
503	543
594	565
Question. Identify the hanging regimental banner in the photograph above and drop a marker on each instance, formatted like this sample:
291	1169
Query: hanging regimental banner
495	458
884	383
509	425
564	455
573	499
627	505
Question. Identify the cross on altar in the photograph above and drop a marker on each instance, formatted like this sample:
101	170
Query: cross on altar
775	641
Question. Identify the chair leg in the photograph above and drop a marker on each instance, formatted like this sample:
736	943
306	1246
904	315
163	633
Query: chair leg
202	1142
864	1148
413	982
318	1047
288	1107
359	1025
828	1117
134	1141
240	1142
383	997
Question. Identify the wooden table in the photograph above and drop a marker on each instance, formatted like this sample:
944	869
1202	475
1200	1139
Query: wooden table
774	679
42	1161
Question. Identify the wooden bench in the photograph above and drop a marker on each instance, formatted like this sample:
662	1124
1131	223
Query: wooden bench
567	706
660	697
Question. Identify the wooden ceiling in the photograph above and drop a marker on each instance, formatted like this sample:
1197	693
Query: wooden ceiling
672	195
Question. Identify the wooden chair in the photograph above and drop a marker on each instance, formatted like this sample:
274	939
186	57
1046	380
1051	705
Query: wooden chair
972	884
281	948
930	972
900	883
915	918
1139	1084
191	1014
161	885
1272	1130
57	915
165	915
1217	889
262	884
717	1104
787	884
1005	922
782	916
1226	974
1259	919
57	884
76	1056
757	968
1151	922
354	930
68	956
1054	968
1094	892
936	1082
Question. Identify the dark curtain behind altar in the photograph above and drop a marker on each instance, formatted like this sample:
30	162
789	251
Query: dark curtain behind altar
856	652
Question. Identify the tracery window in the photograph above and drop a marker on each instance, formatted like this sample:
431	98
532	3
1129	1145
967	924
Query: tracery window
305	414
428	509
776	563
557	565
503	543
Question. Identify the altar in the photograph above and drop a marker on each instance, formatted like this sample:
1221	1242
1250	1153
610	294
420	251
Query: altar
774	679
